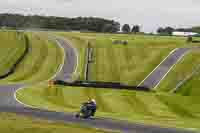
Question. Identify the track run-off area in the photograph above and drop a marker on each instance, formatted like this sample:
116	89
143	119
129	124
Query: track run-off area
9	103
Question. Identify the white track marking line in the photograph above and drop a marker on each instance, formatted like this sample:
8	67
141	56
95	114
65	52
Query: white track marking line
61	66
159	65
25	105
63	61
76	52
171	68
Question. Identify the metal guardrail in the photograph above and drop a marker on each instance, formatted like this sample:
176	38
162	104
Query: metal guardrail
100	85
88	60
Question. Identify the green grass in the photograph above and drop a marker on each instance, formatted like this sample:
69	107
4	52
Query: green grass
149	108
12	123
127	64
41	62
180	72
12	46
191	87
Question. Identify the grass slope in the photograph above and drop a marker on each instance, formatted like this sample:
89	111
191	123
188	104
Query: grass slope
12	46
127	64
180	72
11	123
41	63
158	109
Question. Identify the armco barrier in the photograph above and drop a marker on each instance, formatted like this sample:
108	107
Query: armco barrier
95	84
88	60
195	41
12	69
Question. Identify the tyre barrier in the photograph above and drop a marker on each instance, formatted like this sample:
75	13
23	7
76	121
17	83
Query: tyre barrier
12	69
195	41
97	84
88	60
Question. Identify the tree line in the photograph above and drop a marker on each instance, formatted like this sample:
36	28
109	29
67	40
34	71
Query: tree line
93	24
127	29
90	24
169	30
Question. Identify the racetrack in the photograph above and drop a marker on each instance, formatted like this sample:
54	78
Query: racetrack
8	103
154	78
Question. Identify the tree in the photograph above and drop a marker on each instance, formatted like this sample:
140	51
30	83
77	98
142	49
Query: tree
126	28
165	31
189	39
169	30
93	24
160	30
135	29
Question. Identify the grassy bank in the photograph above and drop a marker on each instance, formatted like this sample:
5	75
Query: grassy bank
149	108
128	64
11	123
41	62
180	72
11	48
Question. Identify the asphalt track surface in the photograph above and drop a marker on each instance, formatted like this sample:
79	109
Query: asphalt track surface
154	78
8	103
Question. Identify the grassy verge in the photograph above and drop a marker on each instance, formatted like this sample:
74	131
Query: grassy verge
41	62
11	48
149	108
127	64
181	71
11	123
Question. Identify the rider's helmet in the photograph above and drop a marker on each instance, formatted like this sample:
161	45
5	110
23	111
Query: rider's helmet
94	101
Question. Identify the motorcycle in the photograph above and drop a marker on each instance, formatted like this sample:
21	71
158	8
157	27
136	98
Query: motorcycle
86	111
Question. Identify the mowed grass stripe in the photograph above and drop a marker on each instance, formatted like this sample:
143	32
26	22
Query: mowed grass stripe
15	123
156	106
176	108
126	65
135	61
51	64
41	62
137	104
146	52
181	71
12	46
37	54
150	108
191	87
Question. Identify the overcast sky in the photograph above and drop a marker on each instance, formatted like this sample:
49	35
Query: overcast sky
150	14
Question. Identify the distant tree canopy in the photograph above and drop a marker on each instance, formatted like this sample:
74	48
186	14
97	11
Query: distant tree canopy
169	30
135	29
165	31
126	28
193	29
59	23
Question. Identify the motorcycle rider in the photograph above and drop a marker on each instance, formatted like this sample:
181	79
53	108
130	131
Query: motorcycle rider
92	105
